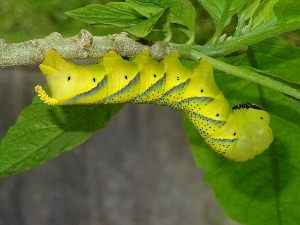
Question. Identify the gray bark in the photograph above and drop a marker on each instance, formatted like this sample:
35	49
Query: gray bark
82	45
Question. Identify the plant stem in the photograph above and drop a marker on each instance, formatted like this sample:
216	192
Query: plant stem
238	43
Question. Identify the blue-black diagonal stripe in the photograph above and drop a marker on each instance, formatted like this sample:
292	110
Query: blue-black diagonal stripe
218	122
124	89
151	88
201	99
91	92
173	89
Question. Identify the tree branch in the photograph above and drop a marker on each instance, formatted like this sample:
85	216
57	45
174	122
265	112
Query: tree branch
83	45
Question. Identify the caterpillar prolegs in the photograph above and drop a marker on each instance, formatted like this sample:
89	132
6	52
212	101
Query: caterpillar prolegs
239	133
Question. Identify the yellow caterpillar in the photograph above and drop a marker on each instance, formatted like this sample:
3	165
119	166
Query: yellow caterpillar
239	133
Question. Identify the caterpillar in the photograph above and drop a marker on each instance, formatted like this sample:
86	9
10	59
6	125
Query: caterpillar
239	133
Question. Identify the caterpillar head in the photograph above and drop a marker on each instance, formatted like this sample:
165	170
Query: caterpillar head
255	133
67	80
246	133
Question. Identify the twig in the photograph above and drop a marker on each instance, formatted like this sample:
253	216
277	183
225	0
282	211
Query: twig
83	45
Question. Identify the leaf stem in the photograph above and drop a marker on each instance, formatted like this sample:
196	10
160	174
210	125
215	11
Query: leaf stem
238	43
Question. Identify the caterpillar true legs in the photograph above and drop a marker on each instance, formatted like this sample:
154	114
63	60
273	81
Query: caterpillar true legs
239	133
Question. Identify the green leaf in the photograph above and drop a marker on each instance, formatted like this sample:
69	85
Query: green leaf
296	104
42	132
278	57
144	27
222	9
146	8
287	11
276	77
263	14
140	17
249	9
293	38
182	12
114	13
267	21
275	56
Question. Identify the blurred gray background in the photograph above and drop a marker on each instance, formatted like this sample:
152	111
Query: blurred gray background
139	170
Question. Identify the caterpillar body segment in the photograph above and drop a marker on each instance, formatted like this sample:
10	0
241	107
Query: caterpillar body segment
239	133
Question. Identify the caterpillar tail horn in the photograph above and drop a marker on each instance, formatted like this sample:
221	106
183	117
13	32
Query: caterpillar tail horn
44	97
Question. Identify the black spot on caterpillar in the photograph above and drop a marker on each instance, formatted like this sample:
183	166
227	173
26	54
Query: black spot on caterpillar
247	106
239	133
